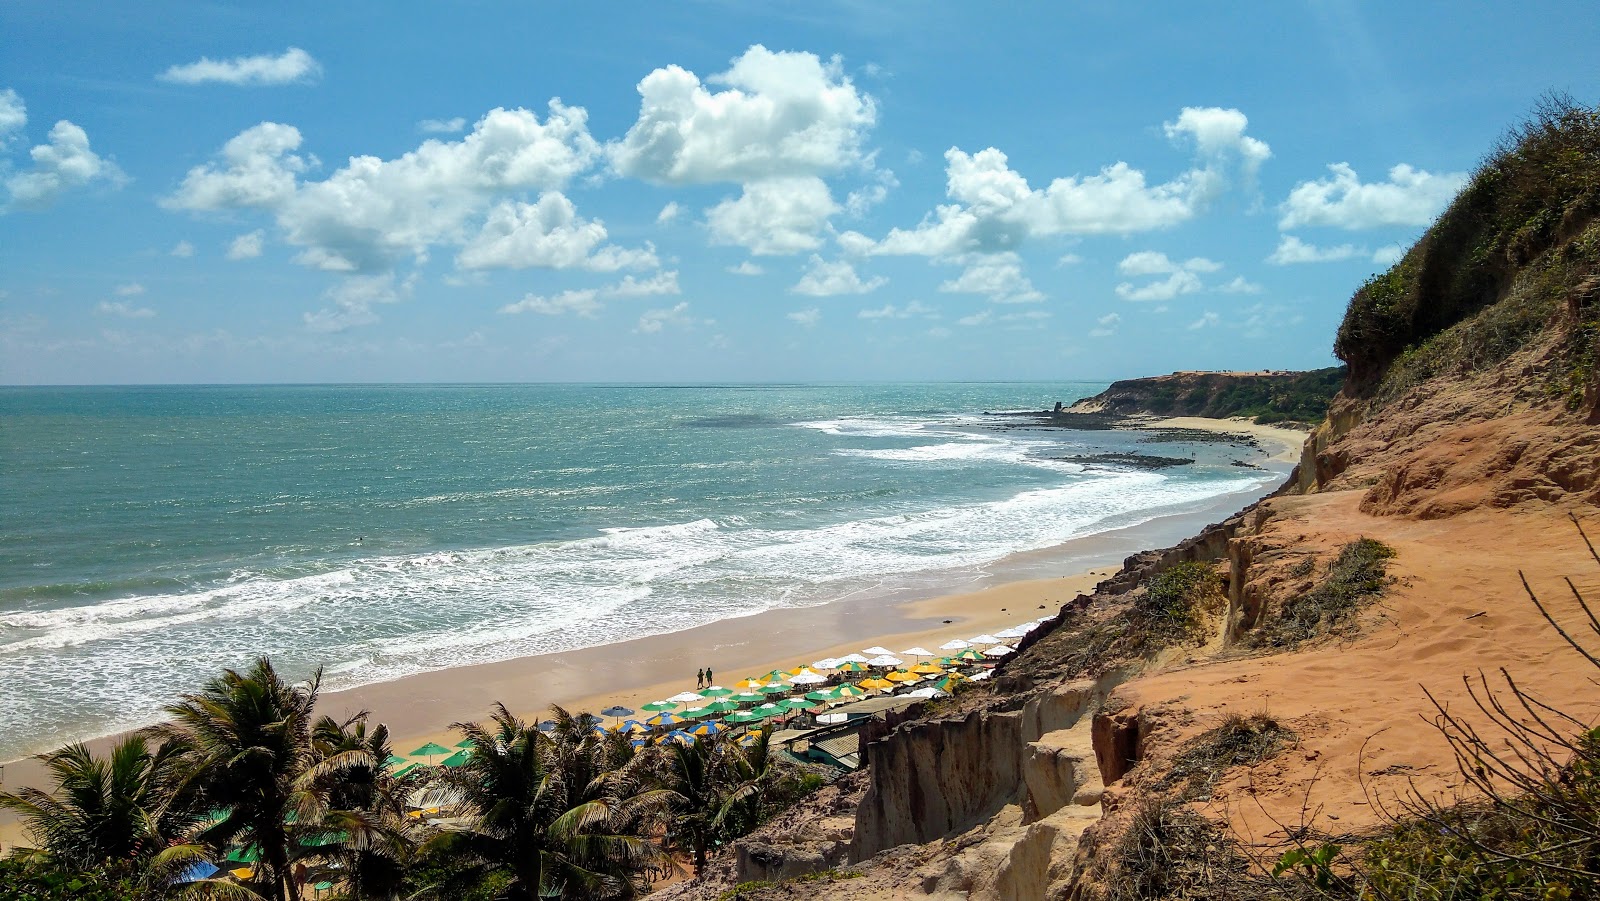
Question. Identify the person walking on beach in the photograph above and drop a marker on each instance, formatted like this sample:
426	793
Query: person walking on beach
699	678
708	675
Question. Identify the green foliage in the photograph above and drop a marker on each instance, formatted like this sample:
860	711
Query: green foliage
1535	193
1314	865
42	881
1240	741
1355	577
753	888
1175	603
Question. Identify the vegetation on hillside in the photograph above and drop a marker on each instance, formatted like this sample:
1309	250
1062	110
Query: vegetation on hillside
245	776
1355	577
1519	237
1279	397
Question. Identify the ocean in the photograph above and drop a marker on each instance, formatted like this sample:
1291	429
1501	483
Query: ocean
150	537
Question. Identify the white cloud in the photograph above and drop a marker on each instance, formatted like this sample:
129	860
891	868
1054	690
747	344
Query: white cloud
1292	250
773	217
130	289
807	318
668	213
979	318
652	321
61	165
13	114
258	171
863	199
1206	320
665	282
781	114
1106	326
293	65
352	301
582	302
550	234
995	208
1181	278
1240	285
747	267
246	246
1388	255
1410	197
890	311
182	250
123	309
442	126
1069	259
996	276
828	279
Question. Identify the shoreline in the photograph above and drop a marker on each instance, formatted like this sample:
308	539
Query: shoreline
419	708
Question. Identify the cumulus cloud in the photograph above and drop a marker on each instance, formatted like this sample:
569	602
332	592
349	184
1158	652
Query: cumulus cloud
352	299
807	318
256	169
889	311
747	267
182	250
665	282
246	246
774	217
861	201
123	309
827	279
995	208
583	302
1240	285
64	163
1292	250
13	114
1105	326
1410	197
1181	278
779	114
442	126
996	276
668	213
291	66
1206	320
549	234
652	321
1388	255
129	289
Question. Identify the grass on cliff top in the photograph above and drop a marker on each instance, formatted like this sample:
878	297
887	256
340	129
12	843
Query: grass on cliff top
1172	608
1357	576
1240	741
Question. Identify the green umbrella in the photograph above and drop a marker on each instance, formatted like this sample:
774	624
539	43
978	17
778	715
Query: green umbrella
849	691
247	854
970	654
431	750
466	743
853	667
748	697
743	716
824	694
457	759
405	771
699	713
395	761
797	704
774	689
944	683
722	706
658	706
716	691
766	711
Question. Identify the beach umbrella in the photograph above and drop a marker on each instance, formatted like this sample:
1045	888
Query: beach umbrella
431	750
747	697
927	669
985	639
851	658
797	704
716	691
695	713
926	691
545	725
903	676
875	650
617	711
854	666
664	719
677	735
405	771
808	678
1012	632
686	697
197	871
743	716
970	654
658	706
875	683
916	652
774	675
726	706
849	691
825	663
955	644
246	854
884	660
750	684
825	694
767	711
999	650
466	743
639	742
704	729
979	677
946	682
243	874
394	761
777	688
457	759
632	726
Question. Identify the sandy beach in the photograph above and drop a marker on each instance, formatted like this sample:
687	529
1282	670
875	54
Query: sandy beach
420	708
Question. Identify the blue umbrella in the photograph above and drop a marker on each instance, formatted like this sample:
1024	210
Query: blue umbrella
617	711
197	871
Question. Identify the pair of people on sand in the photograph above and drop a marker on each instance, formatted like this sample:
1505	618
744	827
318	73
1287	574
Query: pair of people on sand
702	678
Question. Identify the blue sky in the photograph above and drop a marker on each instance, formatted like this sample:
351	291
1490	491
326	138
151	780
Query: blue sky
381	192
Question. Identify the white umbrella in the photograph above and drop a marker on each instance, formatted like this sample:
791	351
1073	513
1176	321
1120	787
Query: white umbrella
825	663
1012	632
831	718
884	660
916	652
850	658
929	692
999	650
955	644
686	697
982	676
807	678
984	639
875	649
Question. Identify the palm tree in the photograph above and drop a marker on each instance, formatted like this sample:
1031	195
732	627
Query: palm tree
124	808
544	814
369	841
694	779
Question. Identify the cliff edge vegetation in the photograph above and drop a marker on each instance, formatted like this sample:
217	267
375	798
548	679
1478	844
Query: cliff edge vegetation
1266	397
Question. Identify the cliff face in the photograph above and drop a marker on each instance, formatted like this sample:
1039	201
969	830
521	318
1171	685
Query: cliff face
1266	396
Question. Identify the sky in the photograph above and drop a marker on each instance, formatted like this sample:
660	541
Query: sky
730	191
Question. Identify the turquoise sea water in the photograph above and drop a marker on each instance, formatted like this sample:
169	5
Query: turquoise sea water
151	536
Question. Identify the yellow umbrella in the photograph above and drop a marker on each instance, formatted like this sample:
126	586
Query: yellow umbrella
749	684
927	669
875	683
902	676
243	874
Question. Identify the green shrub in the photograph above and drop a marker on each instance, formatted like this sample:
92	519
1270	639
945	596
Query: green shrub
1355	577
1240	741
1175	603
